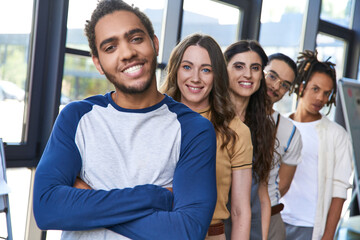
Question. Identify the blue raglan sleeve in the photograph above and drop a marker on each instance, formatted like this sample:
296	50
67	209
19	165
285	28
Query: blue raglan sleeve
194	188
57	205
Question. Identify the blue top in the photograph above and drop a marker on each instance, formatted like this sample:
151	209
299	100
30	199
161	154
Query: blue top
128	157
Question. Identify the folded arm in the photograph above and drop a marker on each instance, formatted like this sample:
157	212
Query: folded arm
57	205
194	188
240	203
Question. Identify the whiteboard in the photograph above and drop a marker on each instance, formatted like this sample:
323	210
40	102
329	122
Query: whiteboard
349	95
347	114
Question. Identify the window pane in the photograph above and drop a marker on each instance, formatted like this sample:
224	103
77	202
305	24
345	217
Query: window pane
154	9
338	12
14	58
216	19
80	11
81	80
335	49
281	26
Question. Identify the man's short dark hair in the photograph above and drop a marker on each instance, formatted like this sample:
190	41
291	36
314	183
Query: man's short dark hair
106	7
282	57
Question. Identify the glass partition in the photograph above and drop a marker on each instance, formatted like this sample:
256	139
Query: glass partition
332	49
81	79
280	31
217	19
338	12
14	64
281	26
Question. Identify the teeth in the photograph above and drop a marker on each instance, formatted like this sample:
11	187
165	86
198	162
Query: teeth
132	69
246	83
194	88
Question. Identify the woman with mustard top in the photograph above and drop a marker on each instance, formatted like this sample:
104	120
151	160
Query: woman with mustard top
197	77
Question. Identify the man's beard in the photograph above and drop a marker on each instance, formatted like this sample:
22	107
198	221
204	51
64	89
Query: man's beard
133	90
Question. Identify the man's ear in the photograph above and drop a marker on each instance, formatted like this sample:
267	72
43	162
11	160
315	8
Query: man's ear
97	64
155	41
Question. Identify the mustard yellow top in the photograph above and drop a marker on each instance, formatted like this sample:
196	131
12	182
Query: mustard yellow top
228	160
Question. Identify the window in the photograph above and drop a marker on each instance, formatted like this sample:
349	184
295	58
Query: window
154	9
337	12
81	79
280	31
334	49
218	20
281	26
14	63
79	11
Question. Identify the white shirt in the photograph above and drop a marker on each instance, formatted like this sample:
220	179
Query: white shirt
300	200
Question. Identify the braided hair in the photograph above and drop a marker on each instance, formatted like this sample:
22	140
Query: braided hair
308	64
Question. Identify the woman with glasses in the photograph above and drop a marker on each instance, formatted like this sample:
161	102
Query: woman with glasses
197	77
245	64
280	74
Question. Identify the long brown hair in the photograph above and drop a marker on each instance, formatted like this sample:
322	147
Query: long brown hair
221	108
258	114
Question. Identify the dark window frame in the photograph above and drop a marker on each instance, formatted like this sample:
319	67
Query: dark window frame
47	49
349	35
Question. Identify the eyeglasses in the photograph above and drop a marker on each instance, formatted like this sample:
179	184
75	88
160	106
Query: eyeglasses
273	77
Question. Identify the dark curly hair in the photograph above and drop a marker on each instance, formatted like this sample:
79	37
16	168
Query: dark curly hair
258	114
221	108
308	64
105	7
